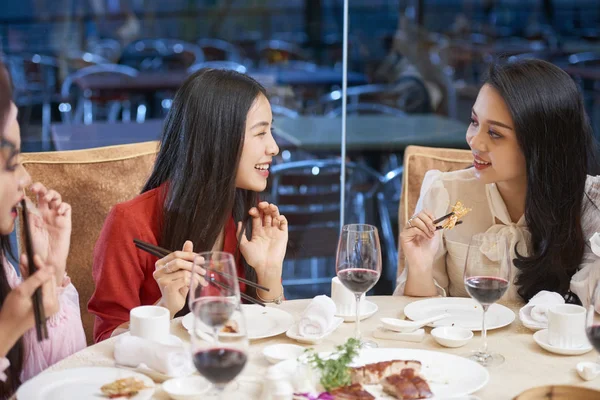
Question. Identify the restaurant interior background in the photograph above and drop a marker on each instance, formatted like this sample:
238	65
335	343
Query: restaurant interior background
414	68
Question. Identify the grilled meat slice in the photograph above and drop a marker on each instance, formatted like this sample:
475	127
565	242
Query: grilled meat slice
406	386
371	374
352	392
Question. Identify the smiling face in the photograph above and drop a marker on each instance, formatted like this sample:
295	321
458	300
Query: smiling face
13	177
259	147
491	136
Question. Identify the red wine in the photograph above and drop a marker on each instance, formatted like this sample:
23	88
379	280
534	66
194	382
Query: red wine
486	289
221	365
593	334
358	280
214	312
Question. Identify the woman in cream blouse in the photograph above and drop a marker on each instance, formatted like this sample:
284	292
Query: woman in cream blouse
532	147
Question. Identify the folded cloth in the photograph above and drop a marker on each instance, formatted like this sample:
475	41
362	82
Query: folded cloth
173	361
535	313
595	243
317	317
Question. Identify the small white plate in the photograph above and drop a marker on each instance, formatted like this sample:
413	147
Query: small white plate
464	312
541	338
261	322
368	308
280	352
292	333
79	383
171	340
451	336
190	388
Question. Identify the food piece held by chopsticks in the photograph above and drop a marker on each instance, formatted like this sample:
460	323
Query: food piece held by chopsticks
126	387
459	211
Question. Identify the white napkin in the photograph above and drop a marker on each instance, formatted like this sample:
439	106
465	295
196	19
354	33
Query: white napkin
535	313
173	361
317	317
595	243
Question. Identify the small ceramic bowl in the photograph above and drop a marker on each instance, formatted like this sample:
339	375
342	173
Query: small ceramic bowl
281	352
188	388
451	336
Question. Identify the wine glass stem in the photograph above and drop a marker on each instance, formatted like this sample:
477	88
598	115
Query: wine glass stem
357	325
484	331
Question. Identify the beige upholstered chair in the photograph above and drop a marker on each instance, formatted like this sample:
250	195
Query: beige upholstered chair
417	161
92	181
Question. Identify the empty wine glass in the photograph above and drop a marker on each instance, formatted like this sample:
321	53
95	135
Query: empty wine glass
219	337
358	264
487	276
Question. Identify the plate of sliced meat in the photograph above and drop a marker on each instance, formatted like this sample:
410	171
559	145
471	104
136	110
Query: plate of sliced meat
390	373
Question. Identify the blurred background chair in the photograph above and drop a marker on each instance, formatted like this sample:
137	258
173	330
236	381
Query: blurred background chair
161	55
110	49
231	65
278	52
308	194
84	105
92	182
219	50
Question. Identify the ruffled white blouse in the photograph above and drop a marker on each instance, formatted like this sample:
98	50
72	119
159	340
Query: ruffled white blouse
441	190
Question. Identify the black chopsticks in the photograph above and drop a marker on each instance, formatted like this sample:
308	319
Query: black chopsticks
439	228
160	253
38	309
440	219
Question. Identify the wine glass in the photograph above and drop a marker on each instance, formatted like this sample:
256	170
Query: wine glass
219	337
487	276
592	323
358	264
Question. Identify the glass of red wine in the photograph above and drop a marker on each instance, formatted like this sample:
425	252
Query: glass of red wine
219	338
358	264
592	324
487	276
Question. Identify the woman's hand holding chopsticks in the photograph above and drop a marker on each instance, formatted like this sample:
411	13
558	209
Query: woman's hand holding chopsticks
16	314
173	275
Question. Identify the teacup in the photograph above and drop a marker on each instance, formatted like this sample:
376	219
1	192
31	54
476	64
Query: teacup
566	326
344	299
150	322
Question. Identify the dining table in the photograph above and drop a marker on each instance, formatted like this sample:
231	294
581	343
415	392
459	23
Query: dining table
526	364
379	133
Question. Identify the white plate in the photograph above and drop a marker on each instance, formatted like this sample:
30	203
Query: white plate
368	308
448	375
261	322
464	312
541	338
79	384
292	333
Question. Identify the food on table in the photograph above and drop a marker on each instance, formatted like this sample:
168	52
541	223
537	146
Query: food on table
372	374
406	385
334	369
459	211
126	387
230	327
351	392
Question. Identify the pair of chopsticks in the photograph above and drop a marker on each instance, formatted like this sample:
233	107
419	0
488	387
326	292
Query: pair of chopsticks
440	219
38	309
160	253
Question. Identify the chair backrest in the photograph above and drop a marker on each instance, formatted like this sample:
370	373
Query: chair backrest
107	48
219	50
417	161
123	70
91	181
229	65
278	51
158	54
33	73
587	58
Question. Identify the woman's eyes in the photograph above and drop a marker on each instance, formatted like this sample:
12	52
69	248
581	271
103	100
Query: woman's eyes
491	133
473	122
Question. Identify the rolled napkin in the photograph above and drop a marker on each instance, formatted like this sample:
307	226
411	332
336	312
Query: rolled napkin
535	313
317	317
173	361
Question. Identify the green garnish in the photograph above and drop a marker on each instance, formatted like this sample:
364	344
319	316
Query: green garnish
334	369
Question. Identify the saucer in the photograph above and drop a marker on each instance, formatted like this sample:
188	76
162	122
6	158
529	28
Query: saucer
541	338
171	340
292	333
368	308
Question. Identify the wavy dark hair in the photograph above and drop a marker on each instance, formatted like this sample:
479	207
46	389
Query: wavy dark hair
199	155
556	138
15	354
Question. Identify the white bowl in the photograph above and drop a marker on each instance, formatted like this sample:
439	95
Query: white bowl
451	336
281	352
189	388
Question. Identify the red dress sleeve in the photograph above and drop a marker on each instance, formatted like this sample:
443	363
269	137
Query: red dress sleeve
122	274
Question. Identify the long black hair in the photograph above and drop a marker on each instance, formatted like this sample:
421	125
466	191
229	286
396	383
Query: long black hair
198	159
556	138
15	354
